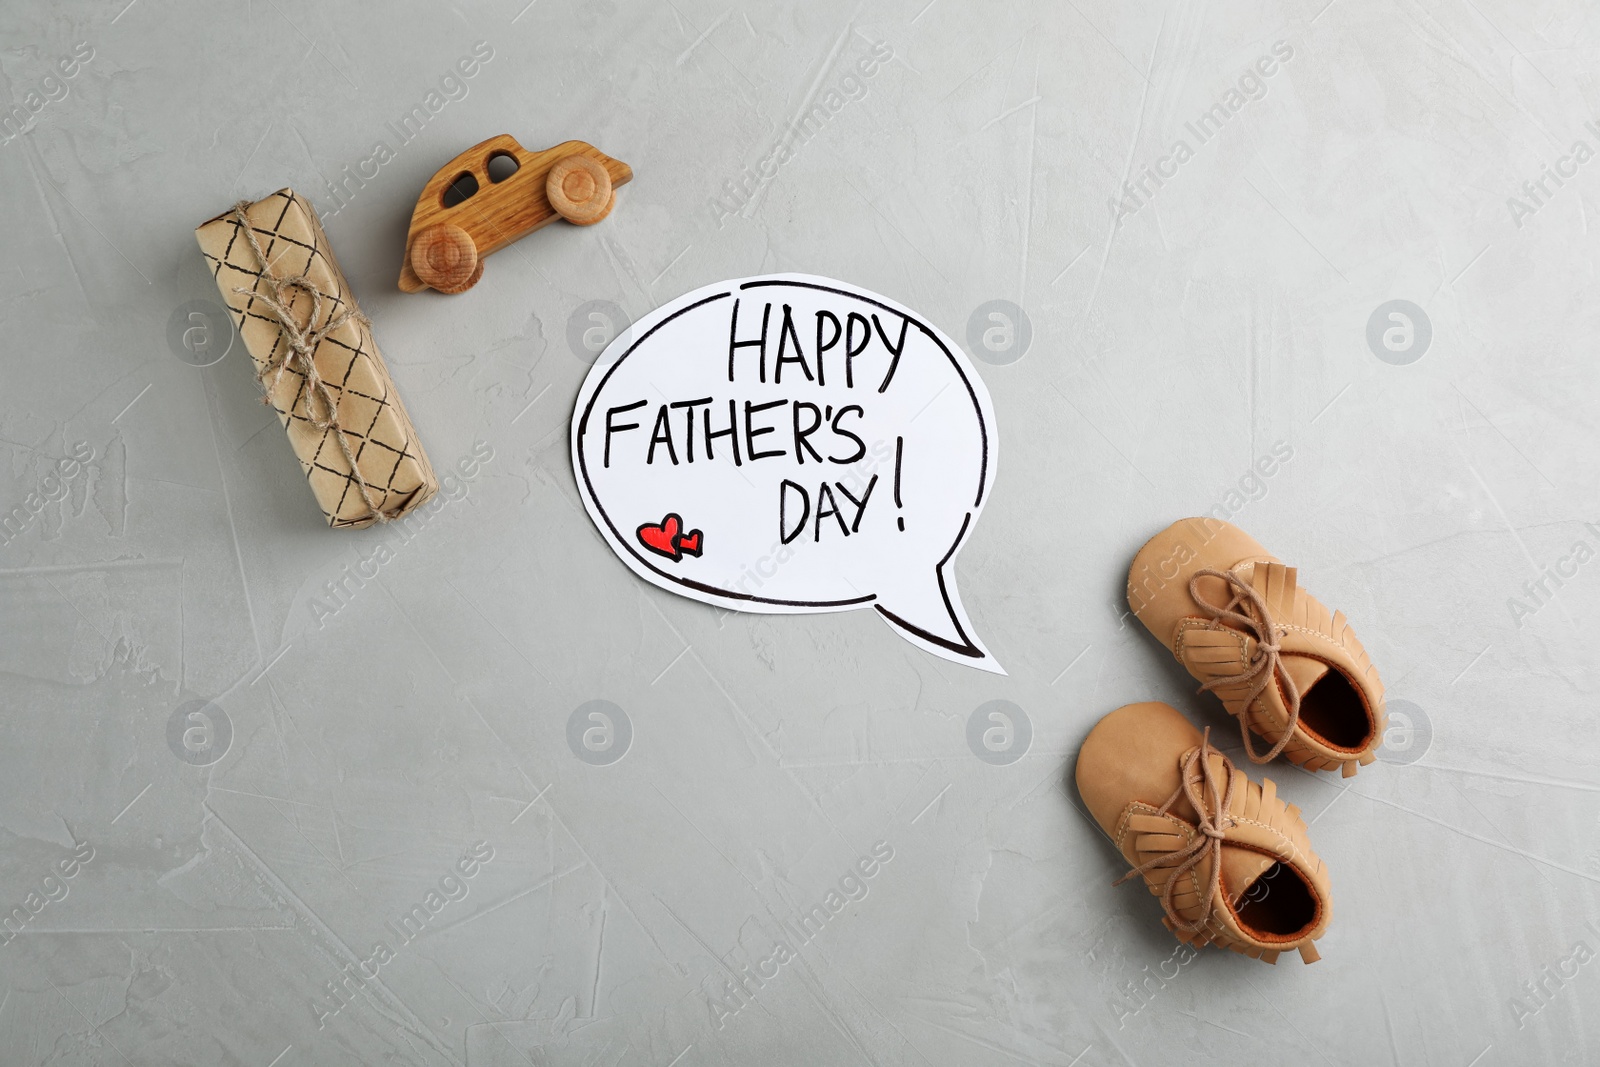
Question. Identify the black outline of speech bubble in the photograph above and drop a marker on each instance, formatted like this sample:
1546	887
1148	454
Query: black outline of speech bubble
967	649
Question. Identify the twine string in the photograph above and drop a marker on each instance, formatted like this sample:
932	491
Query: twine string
301	340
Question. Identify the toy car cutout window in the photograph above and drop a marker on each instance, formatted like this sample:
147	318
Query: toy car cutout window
502	165
459	190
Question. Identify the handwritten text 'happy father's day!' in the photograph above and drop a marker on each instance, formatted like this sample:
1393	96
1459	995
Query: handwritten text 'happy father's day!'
821	344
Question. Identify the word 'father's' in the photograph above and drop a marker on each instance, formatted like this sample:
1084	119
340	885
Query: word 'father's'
802	430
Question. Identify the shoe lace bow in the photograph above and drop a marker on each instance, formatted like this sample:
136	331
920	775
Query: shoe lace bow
1211	802
1247	611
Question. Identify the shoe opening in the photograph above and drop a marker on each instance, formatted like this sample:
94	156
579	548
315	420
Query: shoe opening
1333	710
1277	906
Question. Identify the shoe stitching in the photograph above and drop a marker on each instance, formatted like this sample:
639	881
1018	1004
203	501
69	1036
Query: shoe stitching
1186	828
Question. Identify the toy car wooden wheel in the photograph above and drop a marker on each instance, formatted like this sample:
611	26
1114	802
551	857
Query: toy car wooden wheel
580	190
445	257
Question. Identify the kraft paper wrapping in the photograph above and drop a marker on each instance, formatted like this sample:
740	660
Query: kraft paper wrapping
392	474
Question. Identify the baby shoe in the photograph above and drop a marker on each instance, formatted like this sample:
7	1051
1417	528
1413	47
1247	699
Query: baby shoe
1230	861
1284	665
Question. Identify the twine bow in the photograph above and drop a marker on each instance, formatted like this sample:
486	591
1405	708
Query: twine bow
1256	621
300	346
1211	807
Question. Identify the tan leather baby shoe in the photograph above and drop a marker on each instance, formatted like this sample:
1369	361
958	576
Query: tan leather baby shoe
1284	665
1230	861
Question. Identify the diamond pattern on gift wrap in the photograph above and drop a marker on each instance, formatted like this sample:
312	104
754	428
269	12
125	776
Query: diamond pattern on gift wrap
373	420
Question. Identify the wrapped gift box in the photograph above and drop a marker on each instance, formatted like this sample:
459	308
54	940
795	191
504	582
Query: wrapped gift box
315	356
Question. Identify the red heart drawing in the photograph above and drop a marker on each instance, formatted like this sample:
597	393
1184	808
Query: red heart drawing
662	539
667	538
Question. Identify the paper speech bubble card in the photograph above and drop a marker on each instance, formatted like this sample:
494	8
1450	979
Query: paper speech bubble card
790	444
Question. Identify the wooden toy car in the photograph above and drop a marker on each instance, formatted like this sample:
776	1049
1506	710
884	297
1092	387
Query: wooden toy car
466	211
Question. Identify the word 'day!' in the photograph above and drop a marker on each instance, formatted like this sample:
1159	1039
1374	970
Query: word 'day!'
790	444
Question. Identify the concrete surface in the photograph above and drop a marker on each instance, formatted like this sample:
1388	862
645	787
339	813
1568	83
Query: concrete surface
254	783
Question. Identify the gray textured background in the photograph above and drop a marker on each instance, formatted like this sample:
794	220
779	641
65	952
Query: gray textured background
348	766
